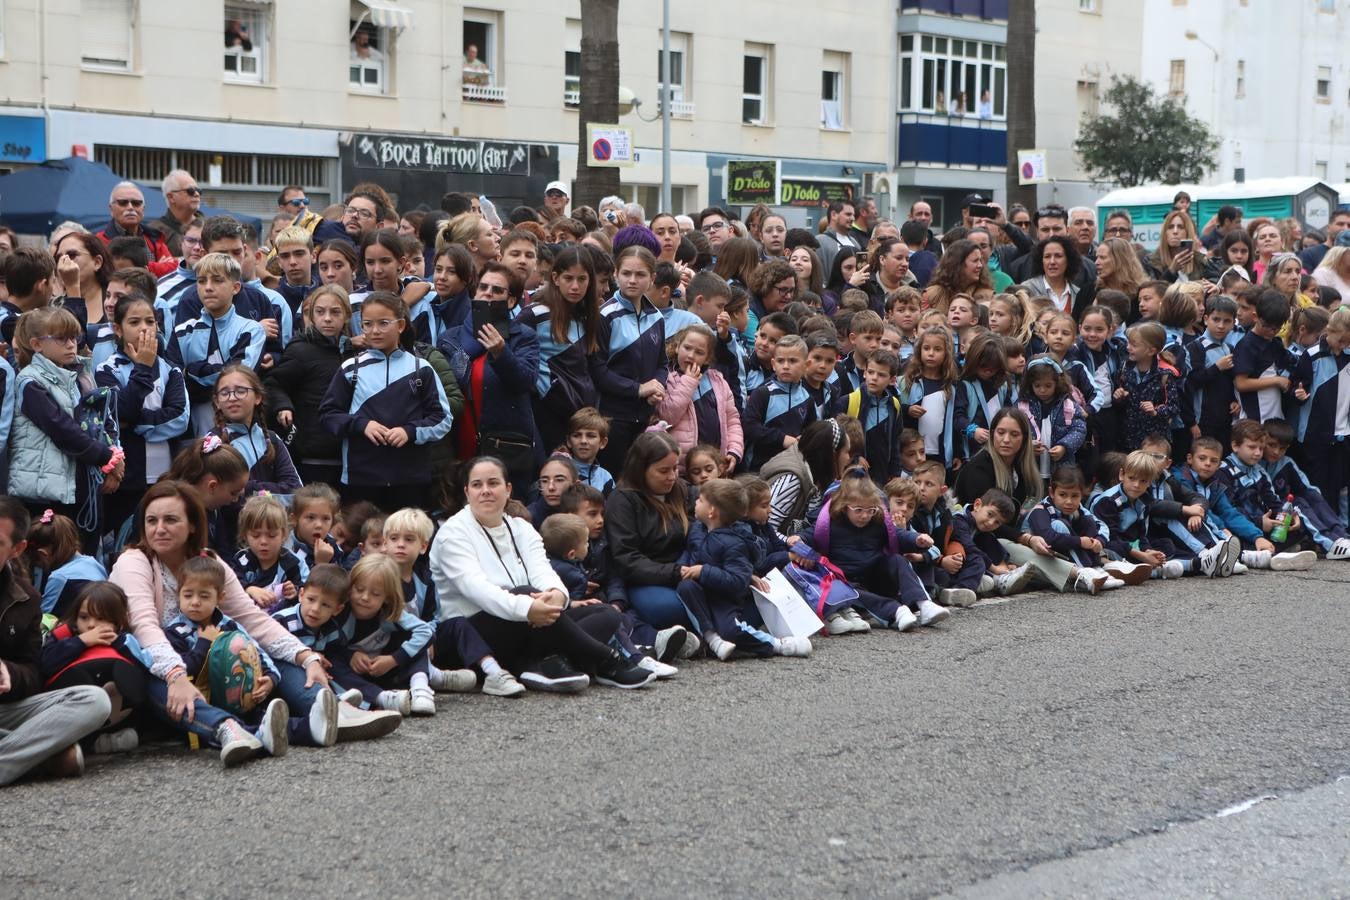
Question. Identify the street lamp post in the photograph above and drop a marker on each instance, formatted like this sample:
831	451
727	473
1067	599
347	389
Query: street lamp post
665	106
1191	35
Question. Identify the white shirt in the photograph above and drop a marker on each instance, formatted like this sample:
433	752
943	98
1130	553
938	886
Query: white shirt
474	568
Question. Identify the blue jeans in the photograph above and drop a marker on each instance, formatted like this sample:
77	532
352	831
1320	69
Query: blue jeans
206	719
657	607
298	699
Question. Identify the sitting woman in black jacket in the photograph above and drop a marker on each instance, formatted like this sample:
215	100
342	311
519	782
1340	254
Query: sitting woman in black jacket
647	521
297	383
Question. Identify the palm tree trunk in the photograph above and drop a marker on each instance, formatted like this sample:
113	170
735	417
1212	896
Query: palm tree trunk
1021	94
599	95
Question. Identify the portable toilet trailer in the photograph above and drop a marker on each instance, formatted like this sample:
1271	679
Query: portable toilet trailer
1147	205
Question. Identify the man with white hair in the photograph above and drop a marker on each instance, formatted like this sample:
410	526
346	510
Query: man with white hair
611	210
127	205
1083	230
635	214
184	199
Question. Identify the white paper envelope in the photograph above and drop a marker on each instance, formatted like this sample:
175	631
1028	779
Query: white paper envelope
785	612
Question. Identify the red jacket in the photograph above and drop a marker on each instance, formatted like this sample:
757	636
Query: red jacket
162	260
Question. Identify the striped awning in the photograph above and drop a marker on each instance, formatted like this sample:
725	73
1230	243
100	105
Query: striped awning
388	15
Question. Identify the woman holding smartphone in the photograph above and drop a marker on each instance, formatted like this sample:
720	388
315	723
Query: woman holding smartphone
1179	256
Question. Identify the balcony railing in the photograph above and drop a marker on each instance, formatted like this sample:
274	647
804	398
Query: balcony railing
679	109
952	141
480	87
571	99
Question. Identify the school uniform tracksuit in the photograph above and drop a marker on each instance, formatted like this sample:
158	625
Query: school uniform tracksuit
880	419
1065	534
631	350
287	568
1322	422
717	599
1321	523
774	411
406	639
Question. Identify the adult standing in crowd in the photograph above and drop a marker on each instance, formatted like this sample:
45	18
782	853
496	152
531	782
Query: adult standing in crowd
491	568
184	199
1312	256
1056	269
864	221
1179	256
127	206
556	198
920	211
837	236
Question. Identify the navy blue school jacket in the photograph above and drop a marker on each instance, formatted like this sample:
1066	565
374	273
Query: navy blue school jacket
631	350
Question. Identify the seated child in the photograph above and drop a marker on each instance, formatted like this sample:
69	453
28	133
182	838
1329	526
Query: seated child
383	646
556	475
60	571
931	518
854	530
702	464
587	435
1179	515
93	644
1198	474
270	574
1323	525
771	551
1250	489
314	510
1079	536
716	570
912	453
1124	509
985	567
316	619
192	632
407	536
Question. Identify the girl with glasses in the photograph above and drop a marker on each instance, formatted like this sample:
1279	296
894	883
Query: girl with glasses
240	422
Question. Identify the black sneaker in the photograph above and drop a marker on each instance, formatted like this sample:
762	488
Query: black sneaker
623	675
554	675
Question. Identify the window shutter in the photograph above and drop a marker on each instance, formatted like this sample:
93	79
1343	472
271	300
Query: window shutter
105	32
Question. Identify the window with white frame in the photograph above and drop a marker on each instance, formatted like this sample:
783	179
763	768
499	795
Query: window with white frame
1324	84
1087	99
106	34
681	103
756	84
572	65
953	76
482	76
246	35
368	64
1176	78
1088	6
834	90
1320	169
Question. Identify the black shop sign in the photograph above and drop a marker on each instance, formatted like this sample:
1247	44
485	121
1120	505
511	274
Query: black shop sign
389	151
807	192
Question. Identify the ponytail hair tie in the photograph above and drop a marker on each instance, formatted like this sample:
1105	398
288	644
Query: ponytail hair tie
210	444
263	493
835	434
47	516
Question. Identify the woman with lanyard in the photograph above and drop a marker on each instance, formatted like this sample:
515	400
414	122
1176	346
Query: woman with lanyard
492	568
496	364
171	522
1055	265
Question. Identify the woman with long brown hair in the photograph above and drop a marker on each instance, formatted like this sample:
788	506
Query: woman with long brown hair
961	270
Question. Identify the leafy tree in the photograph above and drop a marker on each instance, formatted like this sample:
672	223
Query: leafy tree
1147	138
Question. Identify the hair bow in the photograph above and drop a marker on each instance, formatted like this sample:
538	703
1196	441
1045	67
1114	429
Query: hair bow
47	516
1046	361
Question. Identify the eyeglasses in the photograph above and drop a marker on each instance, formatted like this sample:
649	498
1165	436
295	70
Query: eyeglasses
234	393
1120	229
299	201
60	339
494	290
192	242
865	510
129	201
359	213
713	227
1156	457
785	289
191	192
378	324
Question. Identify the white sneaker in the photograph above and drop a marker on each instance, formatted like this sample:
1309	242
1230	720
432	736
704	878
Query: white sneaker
904	618
930	613
236	744
859	624
1128	572
423	702
1232	552
455	681
272	729
365	724
121	741
719	646
1170	569
1239	569
502	684
1299	561
1339	550
323	718
351	696
1256	559
1014	581
396	701
1210	558
793	646
956	597
987	585
837	625
1112	584
1090	581
662	670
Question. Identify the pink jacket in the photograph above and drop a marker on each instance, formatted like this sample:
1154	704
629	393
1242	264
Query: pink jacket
135	573
678	411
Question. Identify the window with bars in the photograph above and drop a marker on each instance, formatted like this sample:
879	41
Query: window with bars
951	76
106	34
246	36
237	170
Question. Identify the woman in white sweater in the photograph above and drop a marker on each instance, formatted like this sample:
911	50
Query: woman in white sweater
492	568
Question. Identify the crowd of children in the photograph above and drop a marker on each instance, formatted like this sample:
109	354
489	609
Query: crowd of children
1179	432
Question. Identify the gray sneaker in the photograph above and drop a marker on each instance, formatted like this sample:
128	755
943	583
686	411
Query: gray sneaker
502	684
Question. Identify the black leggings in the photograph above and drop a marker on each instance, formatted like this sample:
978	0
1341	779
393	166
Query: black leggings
127	677
580	634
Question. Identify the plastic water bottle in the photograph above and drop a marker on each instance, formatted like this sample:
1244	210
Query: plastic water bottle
1280	533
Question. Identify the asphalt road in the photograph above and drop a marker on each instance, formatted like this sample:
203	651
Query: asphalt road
1047	746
